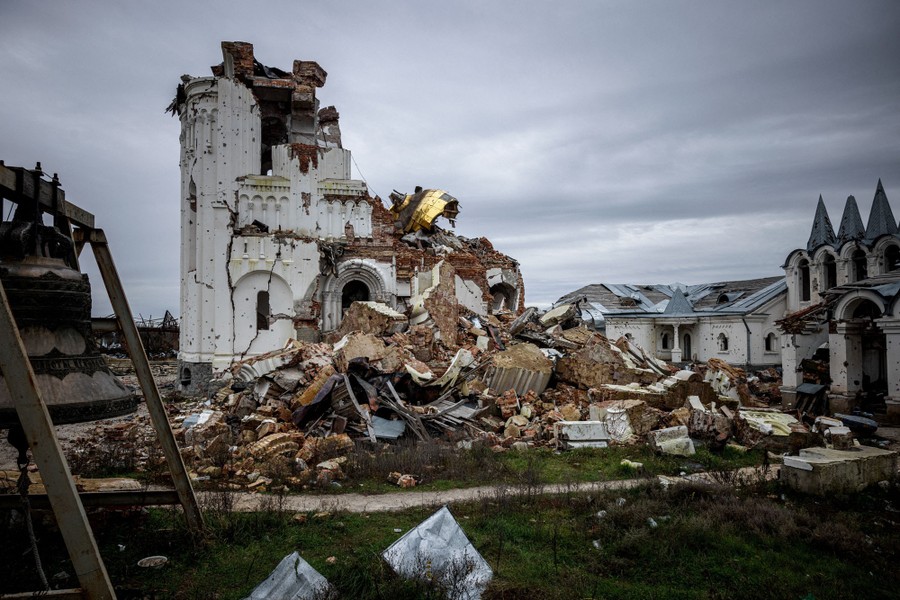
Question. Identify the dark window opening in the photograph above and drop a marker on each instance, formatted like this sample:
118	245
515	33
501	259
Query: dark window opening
891	258
830	272
770	342
354	291
274	132
686	347
665	341
723	342
860	270
804	281
262	311
185	376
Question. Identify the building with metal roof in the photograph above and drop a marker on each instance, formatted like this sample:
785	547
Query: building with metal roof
731	320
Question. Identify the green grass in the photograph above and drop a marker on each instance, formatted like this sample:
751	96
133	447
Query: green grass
441	466
709	543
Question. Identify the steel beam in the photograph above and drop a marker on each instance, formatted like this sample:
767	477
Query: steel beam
124	498
48	455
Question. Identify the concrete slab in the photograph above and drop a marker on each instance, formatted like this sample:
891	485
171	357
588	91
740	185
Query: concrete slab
822	471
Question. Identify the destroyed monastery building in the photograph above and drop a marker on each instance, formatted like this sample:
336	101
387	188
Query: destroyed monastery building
842	305
732	320
278	239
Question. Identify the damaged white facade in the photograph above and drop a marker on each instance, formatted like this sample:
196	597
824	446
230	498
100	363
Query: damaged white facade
277	239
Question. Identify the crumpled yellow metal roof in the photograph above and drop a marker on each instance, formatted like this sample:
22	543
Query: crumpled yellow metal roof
419	211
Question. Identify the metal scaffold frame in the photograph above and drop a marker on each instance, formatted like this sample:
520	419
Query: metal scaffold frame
22	185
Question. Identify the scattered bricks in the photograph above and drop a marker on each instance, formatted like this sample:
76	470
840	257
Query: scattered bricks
309	393
508	404
333	446
273	445
522	367
570	412
672	440
422	340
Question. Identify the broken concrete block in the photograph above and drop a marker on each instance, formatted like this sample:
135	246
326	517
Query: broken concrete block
558	315
672	440
372	317
823	471
522	367
841	438
618	424
581	434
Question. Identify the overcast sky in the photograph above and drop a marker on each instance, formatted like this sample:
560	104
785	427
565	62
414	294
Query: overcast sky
640	142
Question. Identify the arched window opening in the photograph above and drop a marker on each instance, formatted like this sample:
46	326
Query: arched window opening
860	270
866	309
504	296
185	376
354	291
804	281
770	342
723	342
686	347
665	341
830	268
263	311
891	258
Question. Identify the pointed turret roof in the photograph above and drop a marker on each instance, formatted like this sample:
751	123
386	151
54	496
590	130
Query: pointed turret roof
822	230
679	304
881	219
851	228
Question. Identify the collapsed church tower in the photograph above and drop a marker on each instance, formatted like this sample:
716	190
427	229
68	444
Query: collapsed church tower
277	239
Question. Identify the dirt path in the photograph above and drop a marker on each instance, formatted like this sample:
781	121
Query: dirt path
361	503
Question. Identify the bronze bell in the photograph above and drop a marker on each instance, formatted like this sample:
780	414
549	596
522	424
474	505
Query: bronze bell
51	303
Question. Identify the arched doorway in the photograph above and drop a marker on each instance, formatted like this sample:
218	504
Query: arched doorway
686	352
354	291
874	354
504	296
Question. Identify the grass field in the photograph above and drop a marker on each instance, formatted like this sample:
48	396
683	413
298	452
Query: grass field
703	542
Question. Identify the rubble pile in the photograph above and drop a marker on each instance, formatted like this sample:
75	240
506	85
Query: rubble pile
291	417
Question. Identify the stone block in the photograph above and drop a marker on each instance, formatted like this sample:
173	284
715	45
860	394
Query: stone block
581	434
822	471
672	440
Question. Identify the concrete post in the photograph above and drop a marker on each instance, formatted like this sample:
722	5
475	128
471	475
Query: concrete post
845	348
676	347
891	328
